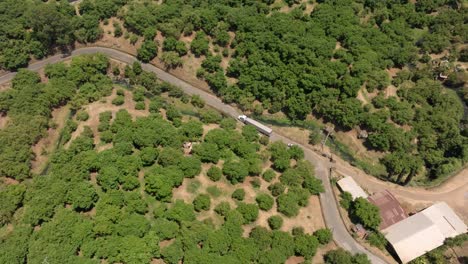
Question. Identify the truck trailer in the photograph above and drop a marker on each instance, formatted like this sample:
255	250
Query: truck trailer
259	126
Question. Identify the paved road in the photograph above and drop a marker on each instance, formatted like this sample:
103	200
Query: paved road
327	199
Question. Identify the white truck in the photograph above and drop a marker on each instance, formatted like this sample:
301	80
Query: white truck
259	126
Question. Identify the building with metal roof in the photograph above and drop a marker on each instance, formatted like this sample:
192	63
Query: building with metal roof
391	211
347	184
424	231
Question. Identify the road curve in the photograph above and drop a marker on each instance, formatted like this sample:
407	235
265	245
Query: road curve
322	167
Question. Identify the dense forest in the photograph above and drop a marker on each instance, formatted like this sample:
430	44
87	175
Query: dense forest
116	203
299	62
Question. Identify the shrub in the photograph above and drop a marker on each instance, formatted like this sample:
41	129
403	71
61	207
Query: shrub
82	115
228	123
119	100
193	186
287	204
306	245
315	137
250	133
185	99
264	201
346	200
275	222
377	239
223	208
269	175
213	191
197	101
297	230
214	173
202	202
248	211
107	136
324	235
235	171
149	155
256	183
210	116
296	152
264	140
238	194
140	106
120	92
276	189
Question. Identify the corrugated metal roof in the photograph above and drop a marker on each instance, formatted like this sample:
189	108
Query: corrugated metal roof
424	231
391	211
347	184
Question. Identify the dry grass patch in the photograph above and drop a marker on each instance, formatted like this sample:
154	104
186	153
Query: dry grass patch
46	145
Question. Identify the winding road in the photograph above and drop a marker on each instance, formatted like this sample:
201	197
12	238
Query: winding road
322	165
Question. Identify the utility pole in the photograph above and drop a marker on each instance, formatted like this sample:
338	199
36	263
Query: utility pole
329	130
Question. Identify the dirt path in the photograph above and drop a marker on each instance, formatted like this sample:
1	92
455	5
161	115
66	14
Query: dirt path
47	144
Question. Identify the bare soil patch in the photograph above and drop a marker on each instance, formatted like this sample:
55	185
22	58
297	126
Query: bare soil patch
362	97
46	145
4	121
9	181
5	86
391	90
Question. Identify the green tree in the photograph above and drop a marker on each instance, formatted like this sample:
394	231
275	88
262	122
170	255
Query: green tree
192	130
250	133
235	171
171	60
207	152
202	202
268	175
147	51
223	208
82	196
366	213
306	245
149	155
377	239
238	194
199	45
276	189
214	173
265	202
324	235
248	211
275	222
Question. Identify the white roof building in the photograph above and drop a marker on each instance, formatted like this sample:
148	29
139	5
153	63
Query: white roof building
424	231
347	184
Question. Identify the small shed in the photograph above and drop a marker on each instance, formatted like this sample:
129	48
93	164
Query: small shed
347	184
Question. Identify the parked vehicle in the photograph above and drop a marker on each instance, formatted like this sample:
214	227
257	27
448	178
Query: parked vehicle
259	126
